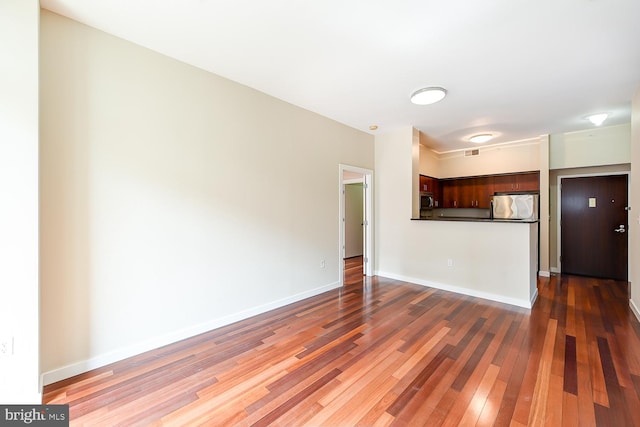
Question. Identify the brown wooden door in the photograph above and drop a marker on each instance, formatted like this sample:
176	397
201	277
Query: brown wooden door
593	226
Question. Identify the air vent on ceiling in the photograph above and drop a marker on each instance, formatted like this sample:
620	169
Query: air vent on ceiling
473	152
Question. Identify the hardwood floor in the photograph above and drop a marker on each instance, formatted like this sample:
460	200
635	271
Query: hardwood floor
383	352
353	270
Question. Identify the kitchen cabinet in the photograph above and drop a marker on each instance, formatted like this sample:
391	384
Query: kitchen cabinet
427	184
437	194
528	181
520	182
450	193
476	192
467	192
431	185
483	191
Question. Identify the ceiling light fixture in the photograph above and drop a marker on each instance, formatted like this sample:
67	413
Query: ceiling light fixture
428	95
373	127
480	138
598	119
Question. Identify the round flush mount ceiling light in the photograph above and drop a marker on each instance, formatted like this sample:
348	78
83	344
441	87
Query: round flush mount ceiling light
480	138
598	119
428	95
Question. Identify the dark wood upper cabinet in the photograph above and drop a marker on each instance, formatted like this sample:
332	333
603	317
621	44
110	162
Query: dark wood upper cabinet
450	196
528	181
503	183
432	185
427	184
437	193
484	190
476	192
467	192
519	182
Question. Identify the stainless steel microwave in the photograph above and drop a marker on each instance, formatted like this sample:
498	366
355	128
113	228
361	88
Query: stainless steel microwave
426	201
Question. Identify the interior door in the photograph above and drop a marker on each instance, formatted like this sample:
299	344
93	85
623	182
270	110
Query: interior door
593	221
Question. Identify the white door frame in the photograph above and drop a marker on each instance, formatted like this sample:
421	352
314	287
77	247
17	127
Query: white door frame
368	219
558	269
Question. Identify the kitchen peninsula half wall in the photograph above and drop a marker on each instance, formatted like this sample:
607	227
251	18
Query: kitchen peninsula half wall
491	259
494	260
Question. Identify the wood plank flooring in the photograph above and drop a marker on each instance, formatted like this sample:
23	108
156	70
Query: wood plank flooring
380	352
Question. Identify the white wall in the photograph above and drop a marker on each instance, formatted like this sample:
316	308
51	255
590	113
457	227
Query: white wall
172	199
19	190
634	220
607	145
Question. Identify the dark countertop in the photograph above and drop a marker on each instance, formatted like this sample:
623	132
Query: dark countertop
470	219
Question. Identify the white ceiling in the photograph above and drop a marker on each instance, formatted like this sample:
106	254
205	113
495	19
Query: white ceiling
516	68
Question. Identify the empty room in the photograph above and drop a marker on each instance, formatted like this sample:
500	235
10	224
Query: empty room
320	213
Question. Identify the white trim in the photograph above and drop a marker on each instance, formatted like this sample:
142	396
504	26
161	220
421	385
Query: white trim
367	179
527	141
543	273
534	297
353	181
464	291
173	337
634	309
559	179
555	270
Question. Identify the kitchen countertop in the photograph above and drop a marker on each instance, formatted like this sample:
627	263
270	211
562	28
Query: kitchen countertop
471	219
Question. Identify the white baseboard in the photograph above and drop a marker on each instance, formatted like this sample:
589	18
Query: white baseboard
463	291
80	367
555	270
534	297
634	309
543	273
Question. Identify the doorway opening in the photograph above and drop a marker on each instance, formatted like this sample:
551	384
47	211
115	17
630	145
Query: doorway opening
592	224
355	220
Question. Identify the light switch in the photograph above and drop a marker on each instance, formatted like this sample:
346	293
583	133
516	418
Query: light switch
592	202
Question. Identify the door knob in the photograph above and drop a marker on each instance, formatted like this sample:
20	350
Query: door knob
620	230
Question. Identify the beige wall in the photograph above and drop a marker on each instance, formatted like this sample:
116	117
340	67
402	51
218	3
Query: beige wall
634	216
429	162
172	199
19	189
544	266
518	156
607	145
